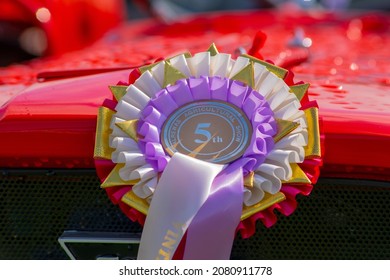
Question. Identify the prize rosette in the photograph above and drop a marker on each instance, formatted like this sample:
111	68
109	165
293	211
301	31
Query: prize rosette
198	148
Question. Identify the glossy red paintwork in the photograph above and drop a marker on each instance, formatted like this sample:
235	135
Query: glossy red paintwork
52	124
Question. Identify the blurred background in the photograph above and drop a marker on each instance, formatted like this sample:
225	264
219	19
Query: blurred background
40	28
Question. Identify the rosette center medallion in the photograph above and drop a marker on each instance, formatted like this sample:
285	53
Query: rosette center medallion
214	131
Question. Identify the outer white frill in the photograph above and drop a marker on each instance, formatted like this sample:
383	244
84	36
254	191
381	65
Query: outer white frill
267	178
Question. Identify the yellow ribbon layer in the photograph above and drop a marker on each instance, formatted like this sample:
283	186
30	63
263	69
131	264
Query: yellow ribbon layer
246	75
148	67
313	148
249	179
171	75
278	71
131	199
130	128
213	50
298	176
300	90
267	201
113	179
118	91
103	130
284	128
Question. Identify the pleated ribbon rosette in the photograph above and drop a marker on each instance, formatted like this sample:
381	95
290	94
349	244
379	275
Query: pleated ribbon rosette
198	148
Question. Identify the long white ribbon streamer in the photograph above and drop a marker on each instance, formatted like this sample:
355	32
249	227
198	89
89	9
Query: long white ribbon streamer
183	188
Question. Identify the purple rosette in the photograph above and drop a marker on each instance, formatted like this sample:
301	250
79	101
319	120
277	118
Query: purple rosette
206	156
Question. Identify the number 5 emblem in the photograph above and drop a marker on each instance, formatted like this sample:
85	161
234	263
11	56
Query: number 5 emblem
201	130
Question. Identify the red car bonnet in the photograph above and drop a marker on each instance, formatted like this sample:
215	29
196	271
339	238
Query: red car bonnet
344	57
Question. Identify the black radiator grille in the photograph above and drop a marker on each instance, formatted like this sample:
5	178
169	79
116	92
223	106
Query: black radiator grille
341	219
36	209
